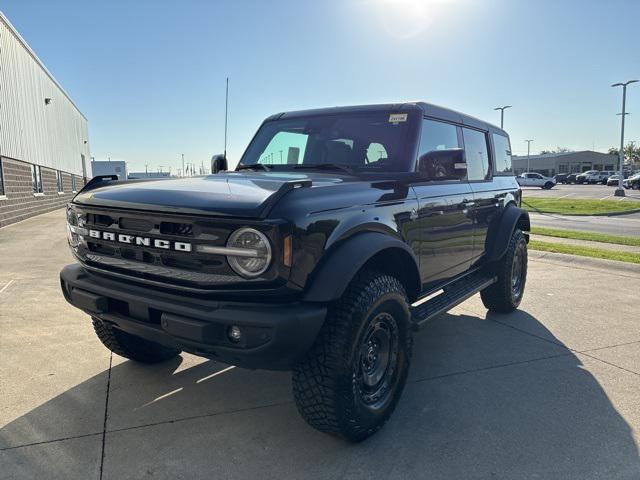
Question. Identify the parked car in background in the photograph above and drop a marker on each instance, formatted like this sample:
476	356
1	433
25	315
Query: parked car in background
582	177
532	179
633	182
598	176
561	178
613	180
571	178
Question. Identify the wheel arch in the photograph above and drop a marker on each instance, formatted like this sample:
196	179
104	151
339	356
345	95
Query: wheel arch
502	228
365	250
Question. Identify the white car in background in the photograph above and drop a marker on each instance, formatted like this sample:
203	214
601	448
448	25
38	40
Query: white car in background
532	179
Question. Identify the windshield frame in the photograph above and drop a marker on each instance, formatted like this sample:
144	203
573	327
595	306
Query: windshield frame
406	164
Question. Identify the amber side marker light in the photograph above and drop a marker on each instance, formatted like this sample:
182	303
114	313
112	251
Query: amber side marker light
287	251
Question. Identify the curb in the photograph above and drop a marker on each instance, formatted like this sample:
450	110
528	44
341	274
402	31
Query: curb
566	260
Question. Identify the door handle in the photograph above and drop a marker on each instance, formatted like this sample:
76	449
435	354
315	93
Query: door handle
434	213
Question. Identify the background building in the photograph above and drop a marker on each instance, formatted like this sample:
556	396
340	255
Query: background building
550	164
110	167
44	143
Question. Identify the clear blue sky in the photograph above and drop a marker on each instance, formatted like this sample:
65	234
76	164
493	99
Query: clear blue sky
149	74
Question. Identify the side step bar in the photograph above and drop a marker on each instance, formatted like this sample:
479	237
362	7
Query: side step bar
452	295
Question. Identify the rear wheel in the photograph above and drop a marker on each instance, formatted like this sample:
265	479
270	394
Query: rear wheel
351	379
130	346
506	294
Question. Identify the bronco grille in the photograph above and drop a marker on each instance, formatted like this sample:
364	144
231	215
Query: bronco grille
157	248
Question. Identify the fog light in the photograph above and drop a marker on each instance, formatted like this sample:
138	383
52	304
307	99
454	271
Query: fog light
234	334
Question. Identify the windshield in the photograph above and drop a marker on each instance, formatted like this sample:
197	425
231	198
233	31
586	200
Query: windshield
367	141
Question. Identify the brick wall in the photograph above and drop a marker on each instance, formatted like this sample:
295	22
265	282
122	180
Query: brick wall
20	202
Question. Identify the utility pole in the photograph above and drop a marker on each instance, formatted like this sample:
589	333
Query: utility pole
146	169
226	117
620	190
182	164
528	154
502	109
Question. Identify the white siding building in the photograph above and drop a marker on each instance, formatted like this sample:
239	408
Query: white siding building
44	142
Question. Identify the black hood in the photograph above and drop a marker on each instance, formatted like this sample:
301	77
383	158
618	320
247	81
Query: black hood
238	194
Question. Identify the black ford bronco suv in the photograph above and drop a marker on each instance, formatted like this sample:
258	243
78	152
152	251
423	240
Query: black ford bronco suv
341	231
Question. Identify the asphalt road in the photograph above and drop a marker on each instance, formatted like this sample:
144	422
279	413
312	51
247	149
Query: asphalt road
616	225
549	392
593	192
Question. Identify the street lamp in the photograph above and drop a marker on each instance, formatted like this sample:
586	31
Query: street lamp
528	154
620	189
502	109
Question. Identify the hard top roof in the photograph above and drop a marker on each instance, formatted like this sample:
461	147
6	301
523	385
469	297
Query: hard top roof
427	109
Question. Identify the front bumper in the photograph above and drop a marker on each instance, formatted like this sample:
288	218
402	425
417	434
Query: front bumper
275	336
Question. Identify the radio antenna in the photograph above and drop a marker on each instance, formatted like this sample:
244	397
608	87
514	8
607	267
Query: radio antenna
226	116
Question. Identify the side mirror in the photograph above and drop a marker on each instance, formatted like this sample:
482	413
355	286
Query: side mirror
445	164
218	163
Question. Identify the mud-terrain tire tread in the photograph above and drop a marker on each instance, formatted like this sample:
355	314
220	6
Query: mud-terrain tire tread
498	297
320	397
130	346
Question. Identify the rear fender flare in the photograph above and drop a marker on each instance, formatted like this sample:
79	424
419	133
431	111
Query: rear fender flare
502	228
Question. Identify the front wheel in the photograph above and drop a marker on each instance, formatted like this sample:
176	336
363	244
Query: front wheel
351	379
505	295
548	186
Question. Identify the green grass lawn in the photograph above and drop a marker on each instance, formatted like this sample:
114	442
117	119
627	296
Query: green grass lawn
584	251
568	206
591	236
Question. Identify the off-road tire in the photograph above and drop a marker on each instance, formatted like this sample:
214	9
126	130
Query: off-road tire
326	384
501	296
130	346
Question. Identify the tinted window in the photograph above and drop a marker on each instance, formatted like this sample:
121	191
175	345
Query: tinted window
374	141
438	136
475	147
503	154
59	181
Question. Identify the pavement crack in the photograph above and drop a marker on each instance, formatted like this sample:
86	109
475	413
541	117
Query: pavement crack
106	416
44	442
491	367
196	417
610	364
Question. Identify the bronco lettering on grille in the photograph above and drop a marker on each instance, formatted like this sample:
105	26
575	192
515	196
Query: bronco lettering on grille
141	241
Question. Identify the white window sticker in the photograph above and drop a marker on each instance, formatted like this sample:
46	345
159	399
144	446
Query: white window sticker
397	117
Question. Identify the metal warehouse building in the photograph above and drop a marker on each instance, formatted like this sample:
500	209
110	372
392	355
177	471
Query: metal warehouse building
44	143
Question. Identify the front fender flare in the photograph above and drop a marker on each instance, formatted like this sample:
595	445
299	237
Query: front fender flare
341	263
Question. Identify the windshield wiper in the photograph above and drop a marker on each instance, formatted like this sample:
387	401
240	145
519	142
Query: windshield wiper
254	166
325	166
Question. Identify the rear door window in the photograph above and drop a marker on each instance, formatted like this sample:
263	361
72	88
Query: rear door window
502	149
477	153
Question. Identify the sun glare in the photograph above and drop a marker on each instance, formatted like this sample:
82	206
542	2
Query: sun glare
407	18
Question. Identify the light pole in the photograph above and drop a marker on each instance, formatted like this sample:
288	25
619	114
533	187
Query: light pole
528	154
502	109
620	190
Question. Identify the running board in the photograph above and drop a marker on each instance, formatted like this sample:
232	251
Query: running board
452	295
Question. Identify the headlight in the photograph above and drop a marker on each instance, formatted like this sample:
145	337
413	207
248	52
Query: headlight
75	228
249	252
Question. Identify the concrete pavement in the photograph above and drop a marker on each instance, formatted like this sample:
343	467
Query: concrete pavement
550	391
